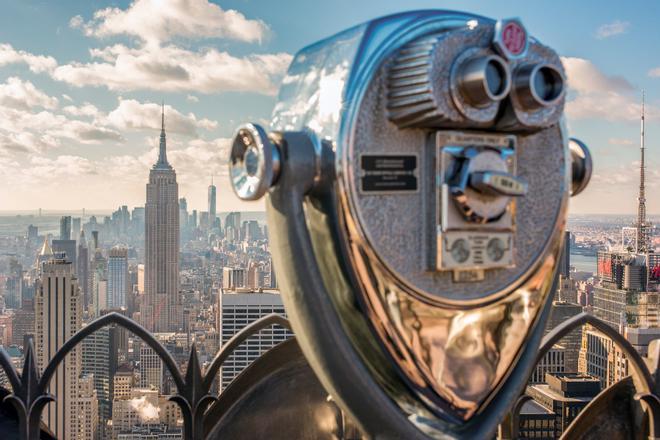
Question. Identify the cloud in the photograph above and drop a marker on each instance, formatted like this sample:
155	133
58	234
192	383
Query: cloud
201	158
155	63
30	122
595	95
654	73
154	21
19	94
55	125
87	109
31	131
87	133
173	69
627	175
36	63
192	98
194	161
584	76
619	141
132	114
617	27
65	166
26	142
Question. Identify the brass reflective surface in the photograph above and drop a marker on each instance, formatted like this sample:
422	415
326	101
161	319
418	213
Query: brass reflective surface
460	355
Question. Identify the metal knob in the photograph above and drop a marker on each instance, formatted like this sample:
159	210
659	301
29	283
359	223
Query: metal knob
497	183
483	184
254	162
581	165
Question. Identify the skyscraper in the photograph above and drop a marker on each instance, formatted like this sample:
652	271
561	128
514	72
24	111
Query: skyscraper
68	248
641	225
235	311
58	313
99	281
75	226
161	310
65	228
99	355
117	277
83	269
151	368
212	213
183	219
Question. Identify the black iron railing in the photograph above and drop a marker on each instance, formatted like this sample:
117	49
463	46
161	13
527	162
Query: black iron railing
644	379
30	393
29	390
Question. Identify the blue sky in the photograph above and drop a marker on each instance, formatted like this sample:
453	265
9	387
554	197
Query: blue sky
80	83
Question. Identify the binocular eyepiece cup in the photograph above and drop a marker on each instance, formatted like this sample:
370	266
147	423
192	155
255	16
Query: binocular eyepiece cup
581	166
254	162
484	80
538	85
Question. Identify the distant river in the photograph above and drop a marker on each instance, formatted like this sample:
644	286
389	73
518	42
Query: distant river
584	263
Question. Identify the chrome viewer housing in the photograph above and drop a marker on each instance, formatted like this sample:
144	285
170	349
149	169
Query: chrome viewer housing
417	215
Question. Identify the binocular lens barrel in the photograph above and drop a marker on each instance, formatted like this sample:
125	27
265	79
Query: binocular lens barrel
538	85
484	80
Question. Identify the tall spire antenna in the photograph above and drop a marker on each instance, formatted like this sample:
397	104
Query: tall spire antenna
162	150
641	208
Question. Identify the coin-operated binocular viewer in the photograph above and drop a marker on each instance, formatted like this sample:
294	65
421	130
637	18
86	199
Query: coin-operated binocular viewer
416	175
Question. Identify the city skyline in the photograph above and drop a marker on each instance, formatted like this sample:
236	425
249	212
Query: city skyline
452	267
83	112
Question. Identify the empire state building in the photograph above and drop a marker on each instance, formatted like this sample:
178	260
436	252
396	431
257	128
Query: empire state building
161	309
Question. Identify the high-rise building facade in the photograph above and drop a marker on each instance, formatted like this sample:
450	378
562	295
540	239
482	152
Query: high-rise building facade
82	270
235	311
233	278
212	200
117	277
561	311
99	283
58	313
32	233
75	226
553	362
621	297
68	248
23	322
565	395
65	228
87	410
99	361
14	285
600	357
161	309
151	368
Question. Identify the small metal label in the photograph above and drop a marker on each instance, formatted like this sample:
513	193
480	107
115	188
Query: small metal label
387	173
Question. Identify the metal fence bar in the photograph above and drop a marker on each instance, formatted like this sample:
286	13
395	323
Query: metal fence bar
643	378
30	390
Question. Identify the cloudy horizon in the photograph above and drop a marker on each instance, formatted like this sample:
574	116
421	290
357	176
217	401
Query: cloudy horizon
81	89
